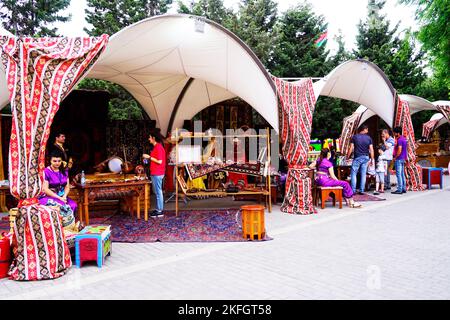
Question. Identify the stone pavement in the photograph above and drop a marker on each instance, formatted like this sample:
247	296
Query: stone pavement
393	249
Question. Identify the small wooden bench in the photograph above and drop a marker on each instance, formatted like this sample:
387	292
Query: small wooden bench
323	193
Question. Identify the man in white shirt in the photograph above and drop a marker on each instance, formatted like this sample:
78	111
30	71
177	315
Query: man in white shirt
389	144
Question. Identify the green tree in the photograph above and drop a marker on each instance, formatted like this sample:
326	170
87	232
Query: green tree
254	25
399	58
434	34
110	17
294	52
32	17
211	9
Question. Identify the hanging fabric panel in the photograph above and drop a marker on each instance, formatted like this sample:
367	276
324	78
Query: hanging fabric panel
413	171
40	73
428	128
349	127
445	110
297	108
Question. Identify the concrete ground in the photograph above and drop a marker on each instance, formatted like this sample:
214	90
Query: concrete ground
393	249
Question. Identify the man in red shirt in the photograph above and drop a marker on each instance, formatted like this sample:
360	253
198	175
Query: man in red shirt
157	160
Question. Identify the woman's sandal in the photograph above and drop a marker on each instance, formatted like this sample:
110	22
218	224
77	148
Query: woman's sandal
355	205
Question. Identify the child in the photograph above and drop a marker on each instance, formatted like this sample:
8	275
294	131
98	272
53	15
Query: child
380	171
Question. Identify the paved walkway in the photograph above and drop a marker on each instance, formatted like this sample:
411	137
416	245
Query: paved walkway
394	249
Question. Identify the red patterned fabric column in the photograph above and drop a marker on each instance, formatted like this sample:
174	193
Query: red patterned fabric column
445	110
351	124
297	103
40	73
413	171
428	128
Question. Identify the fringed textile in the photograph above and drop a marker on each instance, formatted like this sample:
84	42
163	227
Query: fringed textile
40	72
297	108
413	171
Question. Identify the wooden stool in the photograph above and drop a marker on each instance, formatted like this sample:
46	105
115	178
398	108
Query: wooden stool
253	226
324	192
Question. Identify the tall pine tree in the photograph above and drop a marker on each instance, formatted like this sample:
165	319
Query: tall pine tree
112	16
32	17
399	58
294	52
255	26
214	10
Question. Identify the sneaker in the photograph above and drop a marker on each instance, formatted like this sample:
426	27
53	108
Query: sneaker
396	192
156	214
361	193
404	191
376	193
381	191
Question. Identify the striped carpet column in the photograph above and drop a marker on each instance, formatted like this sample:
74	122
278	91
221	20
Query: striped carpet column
413	171
297	107
40	72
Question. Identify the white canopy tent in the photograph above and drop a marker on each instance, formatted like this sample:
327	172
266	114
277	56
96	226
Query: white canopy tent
176	65
362	82
441	119
416	104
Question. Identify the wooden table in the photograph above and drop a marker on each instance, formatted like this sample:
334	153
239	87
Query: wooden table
113	190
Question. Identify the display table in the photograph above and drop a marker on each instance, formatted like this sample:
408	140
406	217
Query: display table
134	189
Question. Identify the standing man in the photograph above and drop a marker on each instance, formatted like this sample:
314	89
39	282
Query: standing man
157	160
60	149
389	144
362	146
400	156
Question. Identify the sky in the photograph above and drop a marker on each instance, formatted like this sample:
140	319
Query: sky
340	14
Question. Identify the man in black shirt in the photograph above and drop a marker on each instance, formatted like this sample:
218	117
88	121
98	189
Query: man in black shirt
59	148
362	146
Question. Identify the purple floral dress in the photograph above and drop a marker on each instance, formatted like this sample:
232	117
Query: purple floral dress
57	181
323	178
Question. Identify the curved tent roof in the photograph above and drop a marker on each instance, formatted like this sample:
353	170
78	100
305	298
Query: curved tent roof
439	116
441	103
416	103
176	65
362	82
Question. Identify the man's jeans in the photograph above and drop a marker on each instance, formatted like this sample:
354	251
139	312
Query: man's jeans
400	173
360	162
387	177
157	189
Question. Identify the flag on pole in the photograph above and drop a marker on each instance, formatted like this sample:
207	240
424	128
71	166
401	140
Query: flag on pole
321	40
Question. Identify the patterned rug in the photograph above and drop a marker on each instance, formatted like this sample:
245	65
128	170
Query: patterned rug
190	226
368	197
364	197
219	225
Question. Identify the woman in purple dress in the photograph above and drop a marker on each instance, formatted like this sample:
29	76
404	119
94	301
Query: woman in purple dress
56	186
325	177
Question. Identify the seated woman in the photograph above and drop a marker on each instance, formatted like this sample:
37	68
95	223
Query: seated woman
56	188
325	177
